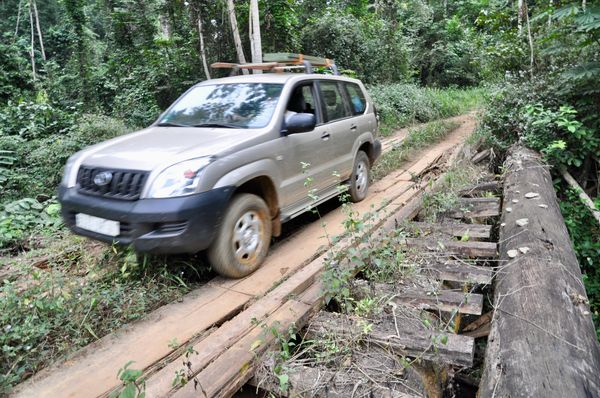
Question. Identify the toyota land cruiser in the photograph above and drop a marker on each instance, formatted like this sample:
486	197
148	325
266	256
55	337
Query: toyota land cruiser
221	169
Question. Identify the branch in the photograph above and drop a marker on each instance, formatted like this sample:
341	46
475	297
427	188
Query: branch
582	195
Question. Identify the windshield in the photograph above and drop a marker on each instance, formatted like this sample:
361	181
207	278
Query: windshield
235	105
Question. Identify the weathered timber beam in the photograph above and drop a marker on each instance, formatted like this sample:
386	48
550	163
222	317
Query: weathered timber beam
459	271
407	337
476	208
542	342
451	229
491	186
442	300
469	249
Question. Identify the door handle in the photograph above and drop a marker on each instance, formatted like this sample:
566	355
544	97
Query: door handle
325	136
353	127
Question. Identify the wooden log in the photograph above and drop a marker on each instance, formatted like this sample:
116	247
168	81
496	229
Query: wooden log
469	249
459	271
542	341
476	208
442	300
452	229
481	156
406	336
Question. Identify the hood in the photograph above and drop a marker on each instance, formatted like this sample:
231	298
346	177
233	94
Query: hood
154	146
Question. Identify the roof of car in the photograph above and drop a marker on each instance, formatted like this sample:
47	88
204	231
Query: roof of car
280	78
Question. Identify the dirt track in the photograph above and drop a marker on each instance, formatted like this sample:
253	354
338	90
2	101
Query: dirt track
92	371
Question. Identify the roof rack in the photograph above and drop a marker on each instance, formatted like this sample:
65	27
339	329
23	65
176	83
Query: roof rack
280	62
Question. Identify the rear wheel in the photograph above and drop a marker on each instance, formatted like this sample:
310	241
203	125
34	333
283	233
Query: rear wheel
359	181
242	241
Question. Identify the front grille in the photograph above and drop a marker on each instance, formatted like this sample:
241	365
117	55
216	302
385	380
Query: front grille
125	184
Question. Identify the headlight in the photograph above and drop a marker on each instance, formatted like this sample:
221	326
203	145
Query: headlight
67	171
179	180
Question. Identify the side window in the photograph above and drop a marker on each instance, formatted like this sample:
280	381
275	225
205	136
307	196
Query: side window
302	100
357	98
333	101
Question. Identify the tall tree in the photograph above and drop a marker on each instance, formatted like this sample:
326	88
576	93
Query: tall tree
202	48
236	33
254	27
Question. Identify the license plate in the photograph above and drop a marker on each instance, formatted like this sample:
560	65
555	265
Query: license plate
97	224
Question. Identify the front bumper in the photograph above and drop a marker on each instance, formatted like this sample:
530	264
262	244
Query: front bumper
174	225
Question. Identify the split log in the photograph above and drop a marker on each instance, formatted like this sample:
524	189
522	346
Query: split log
452	229
476	208
442	300
542	341
469	249
407	336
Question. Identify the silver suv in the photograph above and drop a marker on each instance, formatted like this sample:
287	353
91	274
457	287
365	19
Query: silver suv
225	166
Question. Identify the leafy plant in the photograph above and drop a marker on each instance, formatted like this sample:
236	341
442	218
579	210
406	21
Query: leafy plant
133	385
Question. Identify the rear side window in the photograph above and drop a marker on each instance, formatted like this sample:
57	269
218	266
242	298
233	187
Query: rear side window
358	102
333	102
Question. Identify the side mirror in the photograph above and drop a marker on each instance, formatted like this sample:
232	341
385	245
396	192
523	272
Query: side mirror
300	123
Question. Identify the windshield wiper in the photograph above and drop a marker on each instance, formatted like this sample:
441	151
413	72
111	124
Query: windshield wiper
222	125
171	124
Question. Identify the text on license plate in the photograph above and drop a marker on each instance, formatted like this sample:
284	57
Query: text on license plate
97	224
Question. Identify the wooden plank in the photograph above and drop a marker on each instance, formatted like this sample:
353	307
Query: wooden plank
442	300
459	271
490	186
469	249
542	341
452	229
476	208
226	374
403	337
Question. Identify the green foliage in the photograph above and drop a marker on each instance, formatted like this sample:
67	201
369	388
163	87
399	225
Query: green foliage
34	120
133	385
417	138
24	216
48	313
585	236
564	140
399	105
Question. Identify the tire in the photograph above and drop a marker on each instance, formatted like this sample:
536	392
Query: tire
359	181
243	239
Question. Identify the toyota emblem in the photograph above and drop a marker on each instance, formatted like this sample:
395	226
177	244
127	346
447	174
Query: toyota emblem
103	178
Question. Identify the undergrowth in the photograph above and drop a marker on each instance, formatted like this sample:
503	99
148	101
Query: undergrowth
49	312
417	139
400	105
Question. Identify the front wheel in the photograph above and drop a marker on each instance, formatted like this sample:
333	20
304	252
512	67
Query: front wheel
359	181
242	241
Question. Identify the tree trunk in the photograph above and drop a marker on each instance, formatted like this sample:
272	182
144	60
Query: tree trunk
18	19
542	341
31	52
39	29
520	15
236	34
255	40
530	39
202	49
